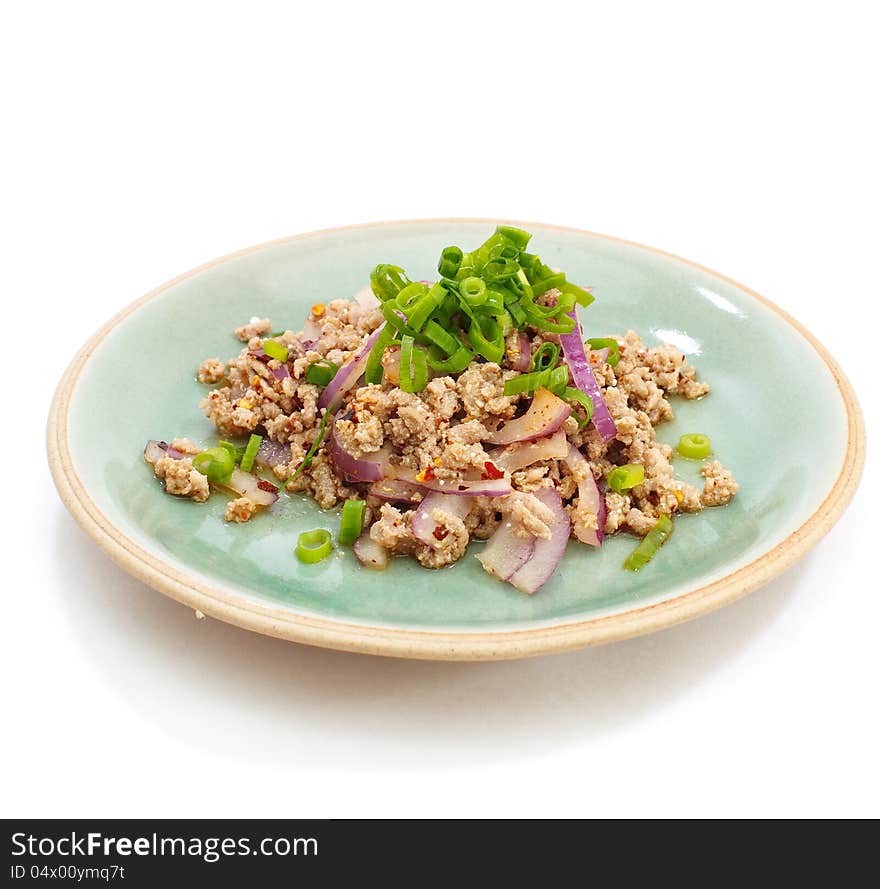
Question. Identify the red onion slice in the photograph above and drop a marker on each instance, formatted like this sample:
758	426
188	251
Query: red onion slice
524	359
155	451
590	500
310	335
546	554
545	415
582	374
524	453
395	491
246	484
369	553
425	526
280	373
272	453
465	487
348	374
369	468
506	552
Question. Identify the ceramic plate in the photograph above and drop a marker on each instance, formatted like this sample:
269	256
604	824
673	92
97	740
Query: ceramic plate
134	380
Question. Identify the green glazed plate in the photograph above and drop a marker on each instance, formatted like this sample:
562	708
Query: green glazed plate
134	381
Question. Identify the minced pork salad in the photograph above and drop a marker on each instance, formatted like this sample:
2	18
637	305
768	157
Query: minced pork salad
438	412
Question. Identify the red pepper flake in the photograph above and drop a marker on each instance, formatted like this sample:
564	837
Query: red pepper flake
426	475
492	471
263	485
440	532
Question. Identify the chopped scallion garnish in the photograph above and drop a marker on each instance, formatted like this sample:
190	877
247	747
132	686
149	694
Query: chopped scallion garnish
215	463
373	370
275	350
450	262
313	546
321	372
650	544
695	446
234	451
351	522
584	400
250	452
622	478
413	366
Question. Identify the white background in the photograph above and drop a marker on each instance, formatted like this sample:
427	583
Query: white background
143	139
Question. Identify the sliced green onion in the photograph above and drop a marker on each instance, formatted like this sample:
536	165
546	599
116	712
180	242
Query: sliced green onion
557	379
277	333
449	306
250	452
581	297
539	320
386	281
413	366
450	261
234	451
695	446
441	338
483	295
563	303
215	463
406	297
373	369
321	372
521	282
500	269
467	268
557	279
584	400
392	315
529	260
609	343
539	270
488	344
473	291
505	250
516	312
652	541
506	322
545	357
313	546
307	460
483	253
525	383
456	362
352	521
517	236
425	306
622	478
275	350
494	304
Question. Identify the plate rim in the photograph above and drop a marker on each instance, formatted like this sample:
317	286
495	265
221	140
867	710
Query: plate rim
285	623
